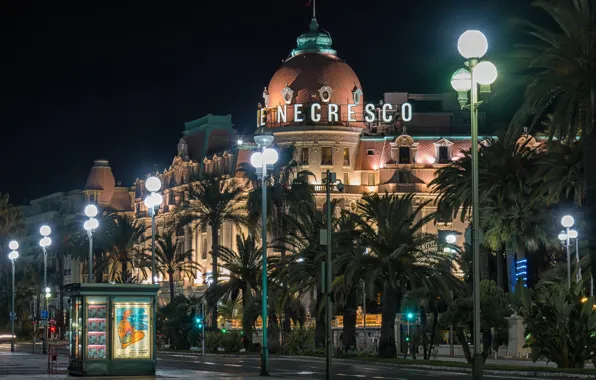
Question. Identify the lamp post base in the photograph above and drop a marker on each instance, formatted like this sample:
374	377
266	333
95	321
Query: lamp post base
477	364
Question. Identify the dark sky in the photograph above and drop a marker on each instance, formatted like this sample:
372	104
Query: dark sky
91	80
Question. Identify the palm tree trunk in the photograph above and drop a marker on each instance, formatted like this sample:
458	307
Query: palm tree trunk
459	333
171	280
499	258
433	332
387	347
588	141
246	317
349	330
124	264
214	250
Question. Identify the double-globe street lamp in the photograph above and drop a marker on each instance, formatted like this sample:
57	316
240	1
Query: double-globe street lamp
90	226
152	202
260	160
472	45
567	222
45	242
13	256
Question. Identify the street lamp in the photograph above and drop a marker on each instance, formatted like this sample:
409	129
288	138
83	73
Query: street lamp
90	225
567	222
260	160
45	242
472	45
329	181
153	201
13	255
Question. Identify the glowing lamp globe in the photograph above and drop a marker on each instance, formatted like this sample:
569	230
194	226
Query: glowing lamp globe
91	211
13	255
270	156
562	236
13	245
91	224
450	239
47	290
240	141
461	80
157	199
573	234
446	250
472	44
45	230
45	242
567	221
153	184
256	160
485	72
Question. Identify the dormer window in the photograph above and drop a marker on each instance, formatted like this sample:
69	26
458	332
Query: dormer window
443	154
288	94
325	93
356	94
404	155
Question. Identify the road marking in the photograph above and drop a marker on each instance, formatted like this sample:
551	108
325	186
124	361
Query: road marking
209	363
305	373
232	365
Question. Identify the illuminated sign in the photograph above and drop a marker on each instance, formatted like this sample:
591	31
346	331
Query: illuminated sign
385	114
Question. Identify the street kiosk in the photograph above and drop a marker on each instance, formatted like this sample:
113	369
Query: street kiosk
112	329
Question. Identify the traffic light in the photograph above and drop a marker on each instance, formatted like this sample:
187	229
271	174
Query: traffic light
53	329
407	338
410	316
199	320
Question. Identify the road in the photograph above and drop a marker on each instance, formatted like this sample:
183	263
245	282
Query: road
305	368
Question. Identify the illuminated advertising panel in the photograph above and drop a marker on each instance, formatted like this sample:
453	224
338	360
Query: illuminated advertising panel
132	330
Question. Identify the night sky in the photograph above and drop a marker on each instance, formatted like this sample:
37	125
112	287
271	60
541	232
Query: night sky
89	80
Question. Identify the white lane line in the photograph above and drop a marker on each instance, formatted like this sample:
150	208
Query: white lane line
232	365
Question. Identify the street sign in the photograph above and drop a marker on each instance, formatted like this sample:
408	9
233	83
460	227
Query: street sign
12	316
44	314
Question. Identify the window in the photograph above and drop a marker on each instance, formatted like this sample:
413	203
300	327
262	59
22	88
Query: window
346	156
370	152
304	156
404	155
371	179
443	154
91	198
326	156
204	249
404	177
346	178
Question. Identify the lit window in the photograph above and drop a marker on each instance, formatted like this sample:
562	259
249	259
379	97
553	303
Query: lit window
346	178
346	156
304	156
371	179
404	155
326	156
204	249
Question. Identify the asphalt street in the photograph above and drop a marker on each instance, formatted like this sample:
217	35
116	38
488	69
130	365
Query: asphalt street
305	368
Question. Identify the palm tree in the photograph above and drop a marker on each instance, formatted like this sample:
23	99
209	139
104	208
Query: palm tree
243	267
560	67
212	202
122	240
513	210
170	258
400	255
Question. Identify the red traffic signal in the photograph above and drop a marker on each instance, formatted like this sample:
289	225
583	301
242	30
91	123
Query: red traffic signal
52	329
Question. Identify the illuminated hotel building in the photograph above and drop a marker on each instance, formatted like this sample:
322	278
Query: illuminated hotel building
368	156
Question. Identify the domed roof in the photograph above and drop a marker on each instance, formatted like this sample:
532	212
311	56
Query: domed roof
312	69
101	178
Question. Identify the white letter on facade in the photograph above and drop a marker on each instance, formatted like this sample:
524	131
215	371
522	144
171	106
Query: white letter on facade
263	117
315	115
406	112
298	112
386	118
333	112
351	112
370	114
281	116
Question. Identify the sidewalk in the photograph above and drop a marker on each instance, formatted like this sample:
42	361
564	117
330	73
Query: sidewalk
25	365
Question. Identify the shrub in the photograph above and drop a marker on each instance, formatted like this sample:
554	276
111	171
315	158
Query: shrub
232	341
213	340
301	341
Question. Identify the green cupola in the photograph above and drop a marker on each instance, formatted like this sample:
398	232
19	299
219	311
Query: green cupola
314	41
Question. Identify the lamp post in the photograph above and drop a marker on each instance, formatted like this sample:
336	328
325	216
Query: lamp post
45	242
567	222
450	239
13	255
472	45
573	234
259	160
153	201
329	182
90	225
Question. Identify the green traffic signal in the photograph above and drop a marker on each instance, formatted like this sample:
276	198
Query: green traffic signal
410	316
407	339
224	331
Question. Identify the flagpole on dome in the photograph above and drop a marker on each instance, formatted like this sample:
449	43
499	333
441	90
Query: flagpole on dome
314	7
